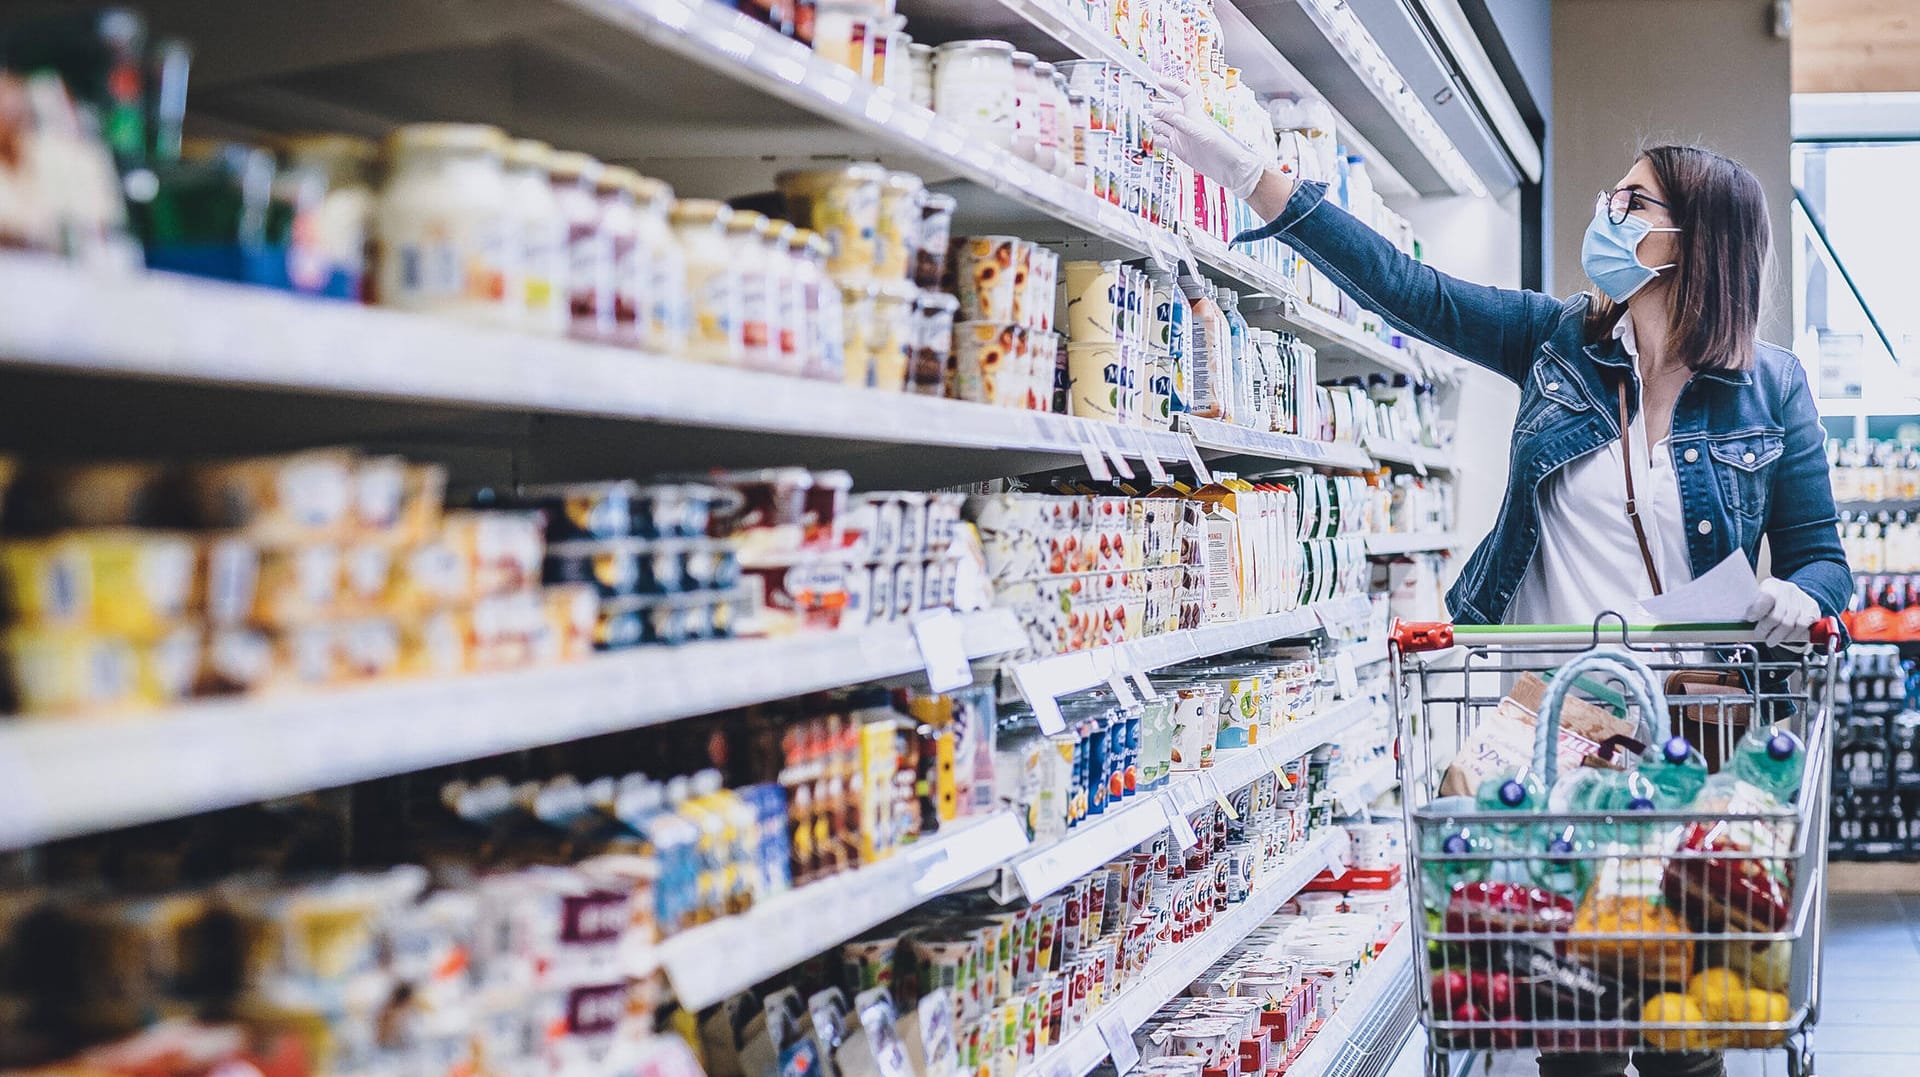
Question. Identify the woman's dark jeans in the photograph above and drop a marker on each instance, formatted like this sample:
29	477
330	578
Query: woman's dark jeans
1648	1063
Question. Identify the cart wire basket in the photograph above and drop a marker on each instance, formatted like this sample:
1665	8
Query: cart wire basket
1604	913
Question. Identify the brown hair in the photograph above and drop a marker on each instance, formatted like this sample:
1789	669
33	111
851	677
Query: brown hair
1724	241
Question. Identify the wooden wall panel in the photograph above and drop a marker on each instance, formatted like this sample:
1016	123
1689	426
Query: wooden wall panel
1856	46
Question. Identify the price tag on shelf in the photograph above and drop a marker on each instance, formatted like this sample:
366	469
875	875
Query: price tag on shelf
1147	690
1200	472
1105	439
1162	247
1090	453
1034	684
1121	693
1113	1030
1346	675
942	651
1182	828
1156	470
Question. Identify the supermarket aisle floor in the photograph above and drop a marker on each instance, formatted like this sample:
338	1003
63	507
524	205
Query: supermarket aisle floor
1871	996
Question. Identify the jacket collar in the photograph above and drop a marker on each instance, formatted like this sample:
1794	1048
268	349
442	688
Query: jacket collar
1611	354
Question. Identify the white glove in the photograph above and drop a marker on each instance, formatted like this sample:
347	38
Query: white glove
1782	609
1191	133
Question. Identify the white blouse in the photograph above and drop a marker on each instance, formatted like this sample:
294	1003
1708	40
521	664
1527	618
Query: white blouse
1588	560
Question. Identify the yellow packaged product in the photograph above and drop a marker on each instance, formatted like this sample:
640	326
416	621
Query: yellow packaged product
367	648
229	585
281	500
237	659
368	572
572	612
1661	953
434	644
75	671
397	501
434	576
118	580
503	550
298	584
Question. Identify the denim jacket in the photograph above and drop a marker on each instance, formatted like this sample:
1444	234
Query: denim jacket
1748	448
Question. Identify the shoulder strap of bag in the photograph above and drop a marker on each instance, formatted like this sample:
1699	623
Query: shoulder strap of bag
1633	509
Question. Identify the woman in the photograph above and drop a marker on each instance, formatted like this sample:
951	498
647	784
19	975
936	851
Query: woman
1724	446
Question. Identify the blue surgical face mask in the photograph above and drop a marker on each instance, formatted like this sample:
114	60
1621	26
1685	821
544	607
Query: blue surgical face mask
1608	255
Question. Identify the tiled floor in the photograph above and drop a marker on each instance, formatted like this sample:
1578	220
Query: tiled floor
1870	999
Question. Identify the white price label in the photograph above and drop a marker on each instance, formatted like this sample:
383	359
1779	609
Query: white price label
1346	675
1090	453
1122	694
1105	438
1164	251
1147	690
1046	709
1182	829
1200	472
1113	1029
942	650
1156	470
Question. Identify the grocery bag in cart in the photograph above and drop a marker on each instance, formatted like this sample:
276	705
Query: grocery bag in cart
1595	870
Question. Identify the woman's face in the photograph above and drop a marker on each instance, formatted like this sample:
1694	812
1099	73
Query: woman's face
1658	248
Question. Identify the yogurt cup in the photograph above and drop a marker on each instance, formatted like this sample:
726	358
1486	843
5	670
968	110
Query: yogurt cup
988	363
1096	377
986	277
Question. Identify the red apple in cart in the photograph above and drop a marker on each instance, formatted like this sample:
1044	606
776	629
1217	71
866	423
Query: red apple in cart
1499	997
1449	990
1468	1012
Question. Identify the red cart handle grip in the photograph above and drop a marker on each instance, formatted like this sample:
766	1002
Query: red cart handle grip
1825	633
1413	637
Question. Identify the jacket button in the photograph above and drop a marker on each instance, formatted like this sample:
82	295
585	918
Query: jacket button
1748	458
1692	455
1553	387
1706	527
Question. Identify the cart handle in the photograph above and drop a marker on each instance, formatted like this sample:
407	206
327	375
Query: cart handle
1413	637
1640	683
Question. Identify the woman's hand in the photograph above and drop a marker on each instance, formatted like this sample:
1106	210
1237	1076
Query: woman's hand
1782	609
1193	136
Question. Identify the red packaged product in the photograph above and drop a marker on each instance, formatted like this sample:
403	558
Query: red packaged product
1727	893
1485	908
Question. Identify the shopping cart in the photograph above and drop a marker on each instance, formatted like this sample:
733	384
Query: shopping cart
1623	929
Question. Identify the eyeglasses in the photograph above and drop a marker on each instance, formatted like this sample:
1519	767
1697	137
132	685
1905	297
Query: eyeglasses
1624	200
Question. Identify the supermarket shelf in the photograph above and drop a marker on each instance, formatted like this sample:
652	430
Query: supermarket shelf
1335	338
1372	1022
1065	674
1079	1053
1222	437
1359	790
1369	651
1877	506
59	779
1046	28
1045	870
716	960
57	319
1422	458
1417	542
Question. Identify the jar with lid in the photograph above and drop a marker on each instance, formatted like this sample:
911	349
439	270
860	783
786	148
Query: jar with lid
891	334
856	316
888	47
745	238
539	283
713	280
843	206
440	224
663	315
973	87
620	222
898	236
783	284
576	179
932	343
1046	134
827	355
345	213
1026	107
1062	127
920	74
936	236
800	301
1077	121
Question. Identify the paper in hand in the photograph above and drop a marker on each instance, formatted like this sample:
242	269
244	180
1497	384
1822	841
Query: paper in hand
1723	594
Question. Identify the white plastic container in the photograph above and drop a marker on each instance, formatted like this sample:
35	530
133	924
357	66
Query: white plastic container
973	87
589	254
713	280
441	226
540	233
